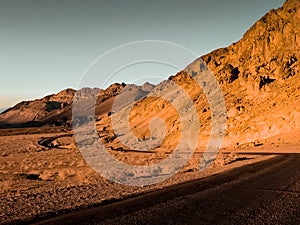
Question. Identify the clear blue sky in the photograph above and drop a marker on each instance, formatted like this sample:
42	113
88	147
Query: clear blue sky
47	45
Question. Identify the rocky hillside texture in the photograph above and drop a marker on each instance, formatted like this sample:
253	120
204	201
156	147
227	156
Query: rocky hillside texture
259	78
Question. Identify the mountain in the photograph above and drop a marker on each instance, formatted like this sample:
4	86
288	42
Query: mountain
51	109
56	109
258	76
259	79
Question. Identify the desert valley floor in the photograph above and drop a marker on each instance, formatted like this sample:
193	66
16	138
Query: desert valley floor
43	173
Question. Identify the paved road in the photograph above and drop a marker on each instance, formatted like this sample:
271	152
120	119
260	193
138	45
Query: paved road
264	193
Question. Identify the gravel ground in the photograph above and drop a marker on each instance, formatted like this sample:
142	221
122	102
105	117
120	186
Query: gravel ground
38	182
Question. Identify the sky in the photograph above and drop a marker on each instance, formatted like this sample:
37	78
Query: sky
47	46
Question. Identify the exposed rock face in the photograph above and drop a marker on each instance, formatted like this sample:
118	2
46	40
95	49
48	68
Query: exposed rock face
269	47
259	75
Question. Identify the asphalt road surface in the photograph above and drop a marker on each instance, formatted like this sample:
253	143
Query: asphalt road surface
267	192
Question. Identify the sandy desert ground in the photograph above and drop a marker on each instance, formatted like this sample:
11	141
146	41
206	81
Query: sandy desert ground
40	181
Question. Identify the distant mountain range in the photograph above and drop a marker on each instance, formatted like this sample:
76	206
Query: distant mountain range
56	109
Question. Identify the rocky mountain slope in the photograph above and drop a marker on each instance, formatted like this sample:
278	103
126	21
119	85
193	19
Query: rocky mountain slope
259	78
